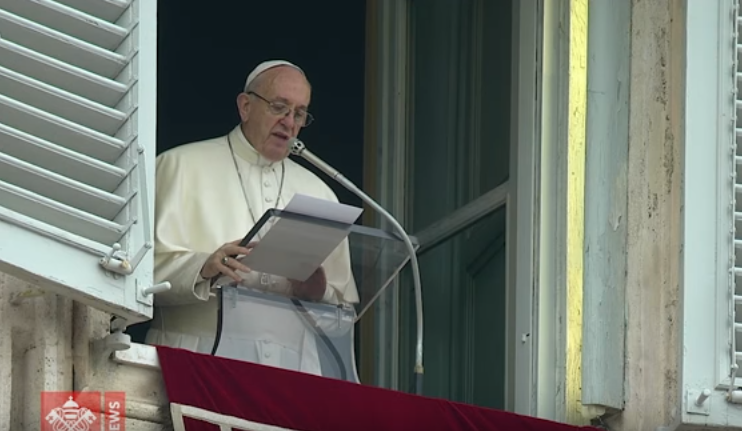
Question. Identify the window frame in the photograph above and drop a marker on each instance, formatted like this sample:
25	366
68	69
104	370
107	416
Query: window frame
389	139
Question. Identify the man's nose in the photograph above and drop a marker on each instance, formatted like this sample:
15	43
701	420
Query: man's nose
288	120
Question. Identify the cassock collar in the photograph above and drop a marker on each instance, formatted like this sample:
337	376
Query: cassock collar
245	150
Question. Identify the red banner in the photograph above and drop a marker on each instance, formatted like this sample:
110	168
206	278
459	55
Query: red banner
220	388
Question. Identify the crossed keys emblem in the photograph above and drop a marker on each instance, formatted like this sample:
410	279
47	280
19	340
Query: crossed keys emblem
71	417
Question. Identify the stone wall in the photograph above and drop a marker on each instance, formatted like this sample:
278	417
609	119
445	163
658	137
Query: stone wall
653	354
49	343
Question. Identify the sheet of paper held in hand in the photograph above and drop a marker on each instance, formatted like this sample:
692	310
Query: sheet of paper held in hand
295	249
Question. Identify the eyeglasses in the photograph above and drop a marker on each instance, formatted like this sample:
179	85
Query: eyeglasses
301	117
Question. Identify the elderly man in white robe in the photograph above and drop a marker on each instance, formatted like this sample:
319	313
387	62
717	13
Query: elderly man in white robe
209	195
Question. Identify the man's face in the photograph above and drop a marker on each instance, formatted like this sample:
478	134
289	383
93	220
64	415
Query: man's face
267	131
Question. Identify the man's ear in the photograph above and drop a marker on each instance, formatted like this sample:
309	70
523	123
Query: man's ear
243	106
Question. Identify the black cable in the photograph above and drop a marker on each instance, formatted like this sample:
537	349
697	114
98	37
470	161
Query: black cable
333	351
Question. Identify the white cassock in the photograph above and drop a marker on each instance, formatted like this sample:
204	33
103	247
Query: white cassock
200	206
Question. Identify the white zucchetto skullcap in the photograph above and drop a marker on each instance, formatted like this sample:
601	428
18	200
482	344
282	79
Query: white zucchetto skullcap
268	65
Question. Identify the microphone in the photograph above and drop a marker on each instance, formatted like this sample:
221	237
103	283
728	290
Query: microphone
297	148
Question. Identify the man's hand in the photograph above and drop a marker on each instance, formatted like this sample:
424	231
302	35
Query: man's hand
222	262
313	289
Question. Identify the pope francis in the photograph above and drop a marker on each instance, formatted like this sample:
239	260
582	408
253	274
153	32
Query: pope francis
209	194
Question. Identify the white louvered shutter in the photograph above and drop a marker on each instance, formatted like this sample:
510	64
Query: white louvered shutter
77	148
710	346
736	205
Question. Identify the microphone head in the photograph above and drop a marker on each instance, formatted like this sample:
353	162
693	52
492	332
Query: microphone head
296	147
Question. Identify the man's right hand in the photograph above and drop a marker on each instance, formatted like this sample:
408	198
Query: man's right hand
221	261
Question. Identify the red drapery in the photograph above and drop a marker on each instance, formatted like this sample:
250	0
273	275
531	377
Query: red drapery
299	401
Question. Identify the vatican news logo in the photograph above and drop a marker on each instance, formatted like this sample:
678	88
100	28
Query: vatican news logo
82	411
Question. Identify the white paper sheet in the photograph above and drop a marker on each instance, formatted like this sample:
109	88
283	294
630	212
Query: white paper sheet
295	249
319	208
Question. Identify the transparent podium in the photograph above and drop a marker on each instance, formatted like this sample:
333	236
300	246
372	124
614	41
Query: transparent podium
311	280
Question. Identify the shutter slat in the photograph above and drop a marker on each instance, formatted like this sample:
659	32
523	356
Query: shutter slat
69	21
60	74
63	47
59	215
62	189
60	131
109	10
59	159
60	102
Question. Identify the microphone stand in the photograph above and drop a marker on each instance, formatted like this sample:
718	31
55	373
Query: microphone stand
298	148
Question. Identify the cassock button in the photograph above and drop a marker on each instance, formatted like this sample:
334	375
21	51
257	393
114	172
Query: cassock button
266	184
268	199
266	354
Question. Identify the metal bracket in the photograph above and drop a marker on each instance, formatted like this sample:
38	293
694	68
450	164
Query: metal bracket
116	261
117	324
696	401
116	340
145	295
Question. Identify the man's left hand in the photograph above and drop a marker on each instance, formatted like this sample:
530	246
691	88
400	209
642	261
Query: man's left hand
313	289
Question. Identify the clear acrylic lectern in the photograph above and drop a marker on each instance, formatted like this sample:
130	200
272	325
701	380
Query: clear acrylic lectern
262	319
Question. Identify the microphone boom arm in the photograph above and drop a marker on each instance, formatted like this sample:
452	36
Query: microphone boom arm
298	148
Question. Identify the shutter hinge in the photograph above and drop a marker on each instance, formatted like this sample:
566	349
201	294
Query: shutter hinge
118	262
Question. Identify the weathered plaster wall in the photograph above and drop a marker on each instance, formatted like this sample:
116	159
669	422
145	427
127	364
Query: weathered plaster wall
654	218
48	343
